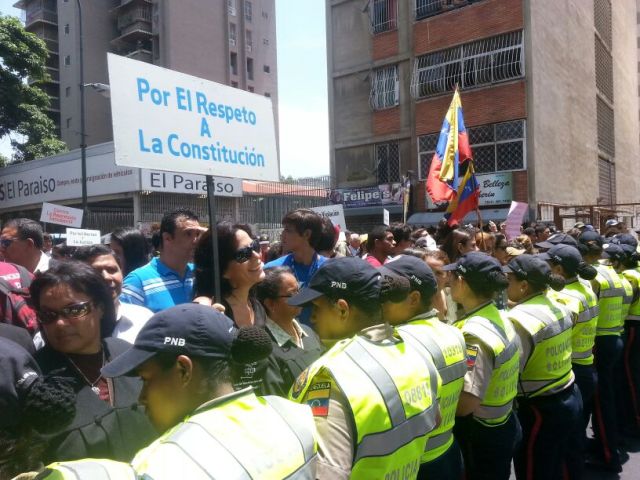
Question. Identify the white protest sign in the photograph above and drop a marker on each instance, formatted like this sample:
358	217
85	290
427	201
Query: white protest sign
516	213
385	216
157	181
166	120
71	217
335	213
77	237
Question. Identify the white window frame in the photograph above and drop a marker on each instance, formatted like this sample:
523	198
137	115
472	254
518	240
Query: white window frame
248	11
439	72
385	88
379	23
233	32
231	7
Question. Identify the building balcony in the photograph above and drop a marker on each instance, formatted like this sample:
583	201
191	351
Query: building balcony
141	54
136	15
120	4
132	35
41	16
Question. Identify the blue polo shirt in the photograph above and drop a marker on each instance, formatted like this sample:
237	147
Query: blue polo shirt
157	287
303	274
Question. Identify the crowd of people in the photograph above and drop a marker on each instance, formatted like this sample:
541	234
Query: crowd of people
402	352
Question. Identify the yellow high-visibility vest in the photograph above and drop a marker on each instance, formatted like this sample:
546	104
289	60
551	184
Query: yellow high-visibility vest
610	294
88	469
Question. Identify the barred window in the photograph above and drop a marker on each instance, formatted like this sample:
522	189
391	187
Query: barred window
604	70
606	127
383	15
231	7
496	147
248	11
602	20
483	62
387	162
232	34
429	8
385	88
606	181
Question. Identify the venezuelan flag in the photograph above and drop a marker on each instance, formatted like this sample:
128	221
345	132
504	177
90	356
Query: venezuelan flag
466	199
452	151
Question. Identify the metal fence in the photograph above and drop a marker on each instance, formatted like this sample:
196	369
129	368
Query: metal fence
566	216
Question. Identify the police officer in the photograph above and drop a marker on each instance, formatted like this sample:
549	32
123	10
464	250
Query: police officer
608	348
373	399
412	314
579	298
486	426
184	356
549	405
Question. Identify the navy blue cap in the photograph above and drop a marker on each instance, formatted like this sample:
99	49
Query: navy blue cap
474	265
558	239
415	270
18	370
590	236
565	255
625	239
614	252
344	277
188	329
531	268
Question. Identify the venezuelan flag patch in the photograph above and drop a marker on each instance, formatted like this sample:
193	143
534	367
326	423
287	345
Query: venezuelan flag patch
472	354
318	398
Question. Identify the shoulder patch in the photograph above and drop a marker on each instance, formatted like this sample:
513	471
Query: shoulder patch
318	398
472	354
300	383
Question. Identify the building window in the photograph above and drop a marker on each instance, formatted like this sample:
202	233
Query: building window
267	94
606	127
484	62
265	41
606	181
248	40
66	29
250	68
604	69
602	20
385	88
232	34
266	69
67	92
383	15
387	156
67	60
429	8
69	122
231	7
496	147
251	89
233	63
234	84
248	11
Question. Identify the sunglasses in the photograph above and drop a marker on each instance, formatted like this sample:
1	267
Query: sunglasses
244	254
74	311
5	242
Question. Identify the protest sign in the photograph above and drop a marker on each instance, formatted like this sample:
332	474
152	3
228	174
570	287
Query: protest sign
515	216
385	216
335	213
71	217
77	237
166	120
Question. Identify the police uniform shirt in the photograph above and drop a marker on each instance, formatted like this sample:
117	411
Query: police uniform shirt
479	364
334	423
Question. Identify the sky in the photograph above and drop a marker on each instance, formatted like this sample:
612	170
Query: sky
302	87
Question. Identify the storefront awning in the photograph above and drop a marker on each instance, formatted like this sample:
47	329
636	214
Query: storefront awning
432	218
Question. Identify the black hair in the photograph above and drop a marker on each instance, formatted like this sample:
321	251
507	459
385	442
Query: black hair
394	288
540	228
88	252
401	232
274	252
62	252
328	237
303	219
590	248
27	228
415	252
269	287
553	280
170	220
583	270
631	260
454	238
377	233
487	286
501	240
203	258
135	247
83	279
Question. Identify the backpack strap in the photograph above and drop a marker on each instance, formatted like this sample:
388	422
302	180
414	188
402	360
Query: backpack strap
25	276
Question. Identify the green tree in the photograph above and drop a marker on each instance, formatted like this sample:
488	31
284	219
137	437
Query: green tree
23	106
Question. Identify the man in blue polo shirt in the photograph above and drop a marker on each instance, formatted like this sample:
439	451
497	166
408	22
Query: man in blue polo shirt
166	280
301	232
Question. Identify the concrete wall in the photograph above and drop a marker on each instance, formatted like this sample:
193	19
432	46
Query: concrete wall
625	83
561	98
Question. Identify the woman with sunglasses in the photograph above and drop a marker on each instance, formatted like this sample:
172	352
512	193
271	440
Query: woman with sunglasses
295	346
240	270
76	314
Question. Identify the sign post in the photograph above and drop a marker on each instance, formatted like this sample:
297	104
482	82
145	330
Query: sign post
170	121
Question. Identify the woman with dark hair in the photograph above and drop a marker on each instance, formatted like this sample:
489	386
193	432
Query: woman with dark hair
549	405
76	314
460	241
240	270
486	427
130	248
295	346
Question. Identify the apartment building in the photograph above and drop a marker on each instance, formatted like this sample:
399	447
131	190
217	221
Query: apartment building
548	91
227	41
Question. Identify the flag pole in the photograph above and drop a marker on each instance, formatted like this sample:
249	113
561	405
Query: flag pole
480	227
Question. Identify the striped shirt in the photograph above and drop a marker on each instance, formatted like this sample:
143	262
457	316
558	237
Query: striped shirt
157	287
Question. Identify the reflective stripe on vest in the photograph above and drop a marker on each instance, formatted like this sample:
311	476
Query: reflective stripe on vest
610	320
633	275
403	430
440	440
90	469
496	333
548	368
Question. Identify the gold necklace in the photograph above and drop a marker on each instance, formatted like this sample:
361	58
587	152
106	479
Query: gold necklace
93	385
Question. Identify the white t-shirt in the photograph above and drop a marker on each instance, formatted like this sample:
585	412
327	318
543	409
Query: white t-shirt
131	318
